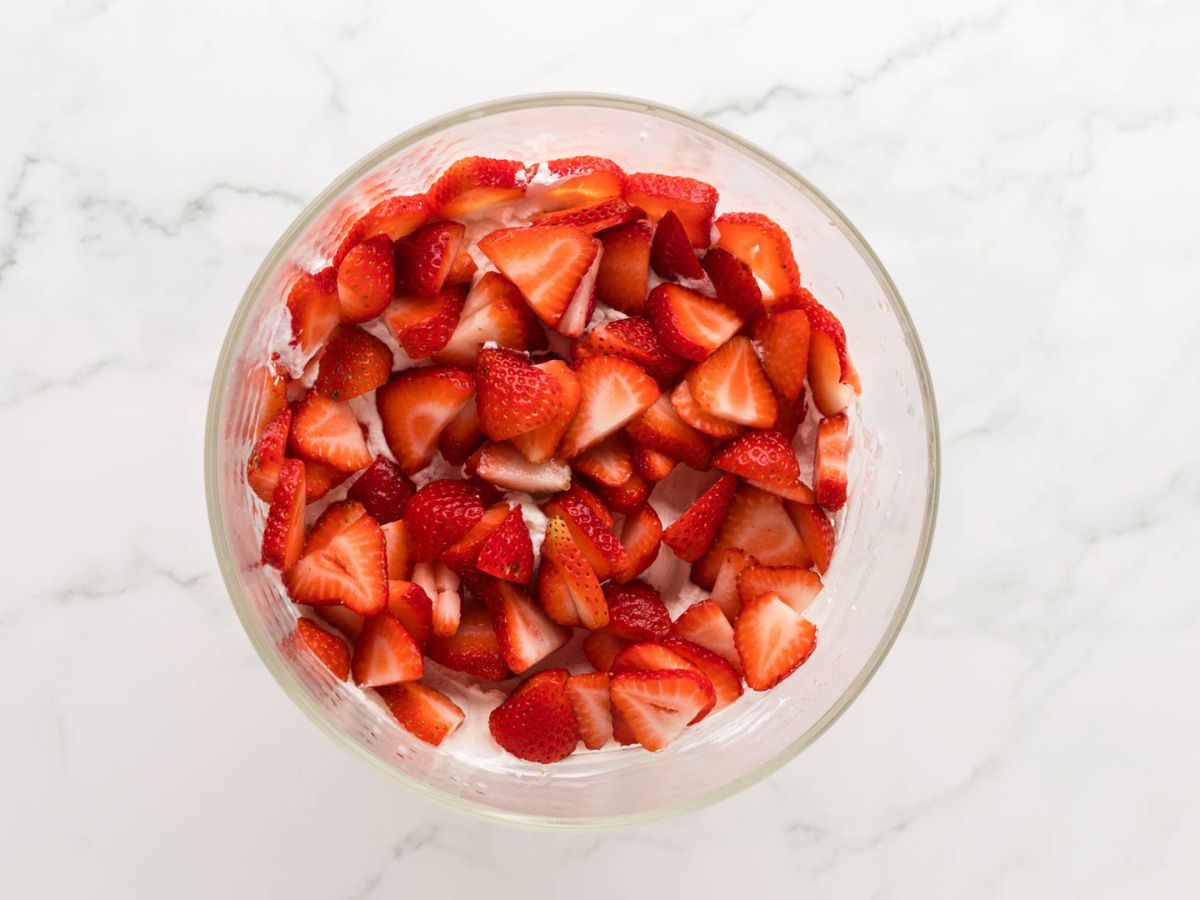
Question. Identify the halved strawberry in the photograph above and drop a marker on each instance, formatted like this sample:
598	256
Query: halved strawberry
319	480
439	514
538	445
628	497
633	339
264	392
798	587
494	311
336	518
704	623
508	551
546	262
314	308
588	694
720	672
622	279
652	465
704	422
476	183
609	462
758	524
383	490
506	467
463	270
831	375
365	279
588	530
725	586
462	553
660	428
693	201
514	396
691	325
600	648
527	635
641	536
409	603
731	385
764	247
783	339
326	646
399	553
262	471
424	712
396	217
815	530
442	586
734	283
636	612
536	722
385	653
473	648
764	458
353	363
577	180
567	586
657	706
283	535
345	564
344	620
773	640
424	325
671	253
425	259
462	435
614	391
693	532
415	406
326	431
593	217
829	471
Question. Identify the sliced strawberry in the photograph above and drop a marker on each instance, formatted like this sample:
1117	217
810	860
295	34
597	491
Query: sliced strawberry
725	587
385	653
704	623
720	672
425	259
409	603
262	471
538	445
547	263
731	385
765	458
396	217
415	406
514	397
336	518
265	392
629	496
344	620
704	422
691	325
346	565
783	339
424	712
505	467
600	648
354	362
657	706
319	480
476	183
594	217
462	435
399	553
314	309
691	200
365	279
798	587
692	533
633	339
622	280
494	311
442	586
764	247
614	391
536	722
327	432
526	634
439	514
424	325
589	530
815	530
831	375
773	640
473	648
648	656
734	283
577	181
757	524
797	491
609	462
462	553
636	612
594	503
283	535
588	694
671	253
652	465
641	536
567	586
660	428
383	490
830	476
508	551
326	646
463	270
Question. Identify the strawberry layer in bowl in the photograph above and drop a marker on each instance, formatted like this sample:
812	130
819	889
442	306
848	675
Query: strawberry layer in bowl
882	529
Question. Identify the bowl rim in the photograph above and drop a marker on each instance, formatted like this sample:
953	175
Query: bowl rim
266	648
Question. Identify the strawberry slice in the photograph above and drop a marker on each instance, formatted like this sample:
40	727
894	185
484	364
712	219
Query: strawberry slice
657	706
797	586
594	503
614	391
734	283
692	413
319	480
660	428
757	524
424	325
283	535
385	653
764	247
476	183
344	620
396	217
365	279
609	462
652	465
462	553
538	445
506	467
815	530
791	414
628	497
425	259
633	339
692	201
409	603
567	586
399	553
332	522
326	431
383	490
473	648
589	530
462	435
463	270
720	672
830	475
536	722
265	391
783	339
641	536
704	623
262	470
773	640
514	397
343	563
508	551
494	311
731	385
691	325
325	646
636	612
439	514
622	280
671	253
527	635
600	648
314	309
578	181
725	587
764	458
441	585
588	694
594	217
547	263
424	712
691	535
648	656
415	406
831	375
354	362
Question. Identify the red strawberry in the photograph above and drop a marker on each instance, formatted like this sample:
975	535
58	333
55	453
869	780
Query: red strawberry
783	340
588	694
636	612
508	551
344	620
734	283
385	653
264	390
473	648
594	217
426	257
424	712
671	253
815	530
791	414
424	325
704	623
346	564
764	247
731	385
383	490
546	262
601	648
652	465
798	587
283	535
757	524
462	553
614	391
589	530
396	217
594	503
621	281
538	445
725	587
536	722
691	325
463	270
773	640
332	522
415	406
475	183
661	429
632	339
326	646
494	311
262	471
439	514
693	201
648	656
365	279
706	423
764	458
319	480
527	635
442	587
462	435
326	431
314	308
567	586
833	440
579	180
353	363
657	706
641	536
409	603
399	553
609	462
629	496
514	396
692	533
720	672
504	466
831	375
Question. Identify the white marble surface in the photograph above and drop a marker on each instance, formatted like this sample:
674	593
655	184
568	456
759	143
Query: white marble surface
1027	170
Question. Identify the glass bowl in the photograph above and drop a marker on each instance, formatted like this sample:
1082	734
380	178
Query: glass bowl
885	529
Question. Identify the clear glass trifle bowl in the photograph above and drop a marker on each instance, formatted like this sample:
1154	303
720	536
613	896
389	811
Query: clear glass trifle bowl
884	531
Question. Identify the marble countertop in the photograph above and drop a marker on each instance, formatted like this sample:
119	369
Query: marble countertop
1027	171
